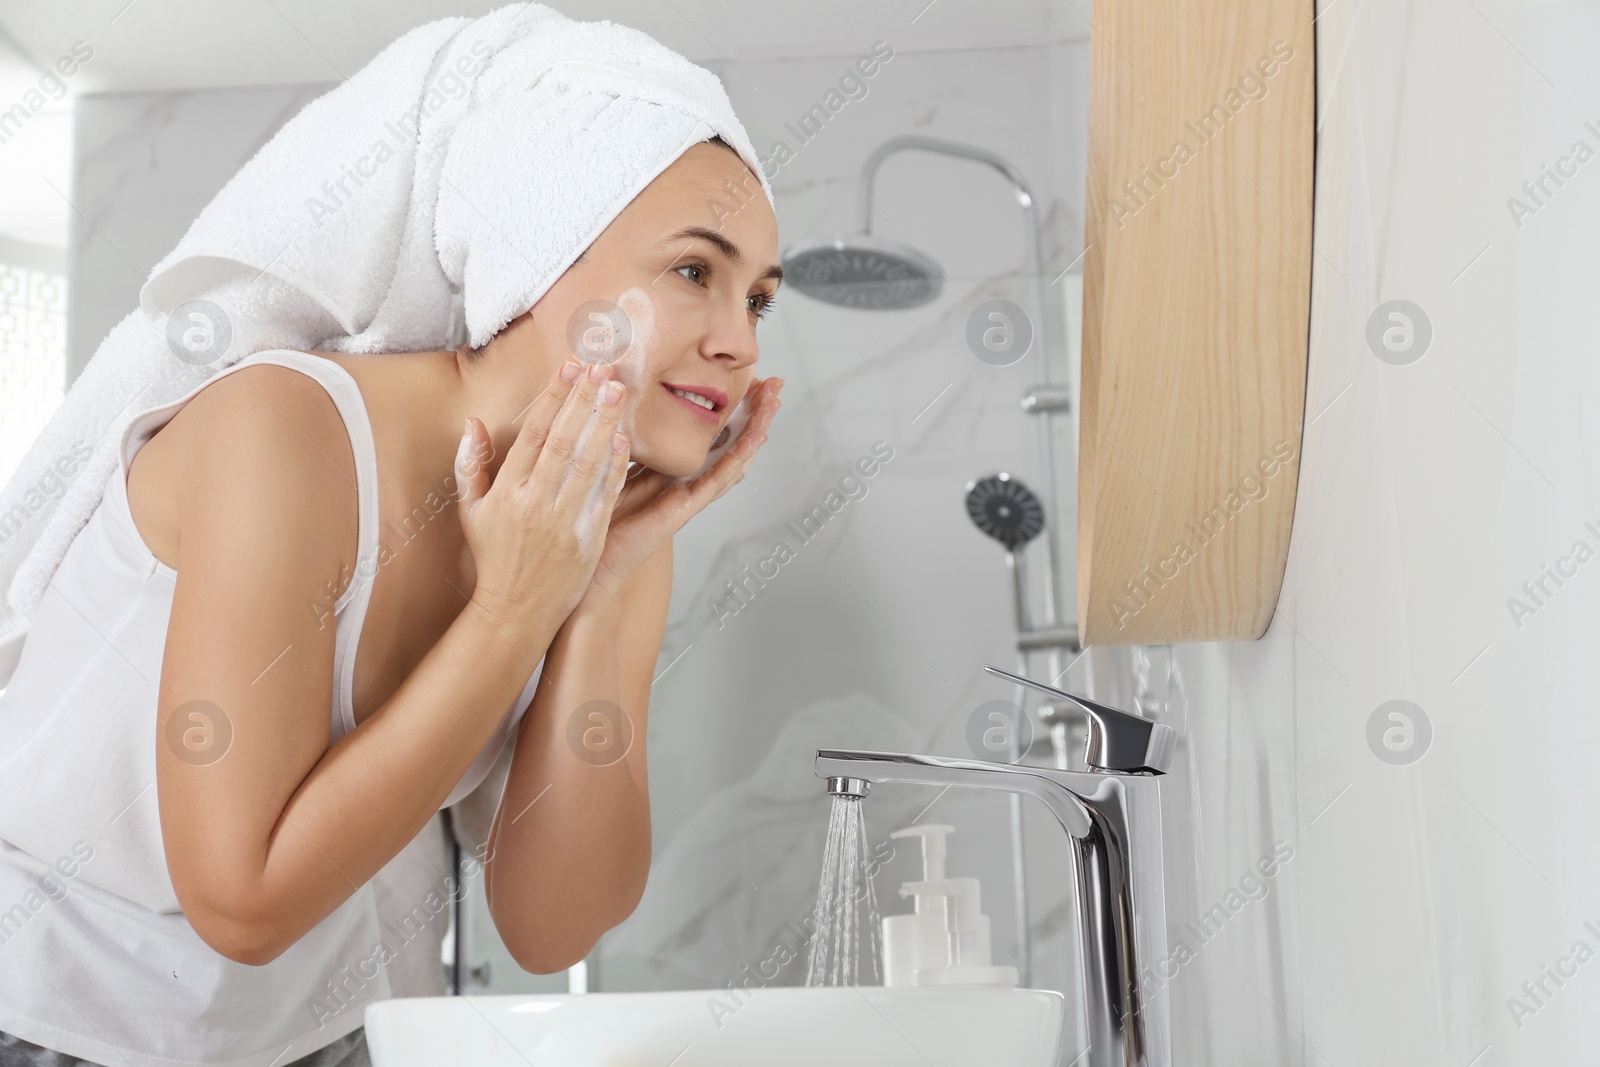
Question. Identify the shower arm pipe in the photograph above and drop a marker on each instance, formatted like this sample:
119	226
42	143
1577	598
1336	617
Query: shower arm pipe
869	171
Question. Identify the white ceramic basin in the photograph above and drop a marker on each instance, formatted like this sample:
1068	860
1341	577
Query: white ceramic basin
872	1026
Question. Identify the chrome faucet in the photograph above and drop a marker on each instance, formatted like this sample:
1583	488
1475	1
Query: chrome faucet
1112	813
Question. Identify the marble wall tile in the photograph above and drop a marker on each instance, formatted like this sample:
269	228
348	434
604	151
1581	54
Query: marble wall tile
144	165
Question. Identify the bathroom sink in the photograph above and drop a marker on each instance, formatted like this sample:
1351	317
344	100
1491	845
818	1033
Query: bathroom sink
910	1026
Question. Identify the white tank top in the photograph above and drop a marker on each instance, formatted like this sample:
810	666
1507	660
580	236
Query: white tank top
96	958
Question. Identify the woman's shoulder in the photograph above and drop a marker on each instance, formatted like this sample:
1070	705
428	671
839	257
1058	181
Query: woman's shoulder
268	442
264	404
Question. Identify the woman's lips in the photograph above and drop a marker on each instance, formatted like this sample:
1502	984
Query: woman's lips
706	415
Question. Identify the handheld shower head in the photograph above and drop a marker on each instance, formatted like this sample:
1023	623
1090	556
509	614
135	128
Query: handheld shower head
862	272
1005	509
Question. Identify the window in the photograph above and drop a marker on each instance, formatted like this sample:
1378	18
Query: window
32	357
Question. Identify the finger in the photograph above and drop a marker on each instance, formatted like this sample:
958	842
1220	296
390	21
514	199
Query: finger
733	427
759	404
639	474
472	466
536	422
592	456
605	506
638	490
615	477
617	473
765	407
561	443
727	472
681	501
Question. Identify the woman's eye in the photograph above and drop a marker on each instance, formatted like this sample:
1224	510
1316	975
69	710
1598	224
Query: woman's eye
763	305
762	302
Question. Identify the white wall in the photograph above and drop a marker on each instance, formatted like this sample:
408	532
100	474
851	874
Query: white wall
1420	897
144	165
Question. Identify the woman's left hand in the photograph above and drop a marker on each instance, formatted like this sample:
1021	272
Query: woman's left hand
653	506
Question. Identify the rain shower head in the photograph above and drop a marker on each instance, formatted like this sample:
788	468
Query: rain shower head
1005	509
862	272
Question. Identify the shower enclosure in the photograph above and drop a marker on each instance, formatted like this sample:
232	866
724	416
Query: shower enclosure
866	272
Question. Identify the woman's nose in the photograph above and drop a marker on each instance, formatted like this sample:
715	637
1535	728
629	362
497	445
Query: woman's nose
732	337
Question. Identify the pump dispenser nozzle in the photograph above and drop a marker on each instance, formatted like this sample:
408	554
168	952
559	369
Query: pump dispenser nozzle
945	940
933	848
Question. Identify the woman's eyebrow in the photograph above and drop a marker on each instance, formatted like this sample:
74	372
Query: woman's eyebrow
725	246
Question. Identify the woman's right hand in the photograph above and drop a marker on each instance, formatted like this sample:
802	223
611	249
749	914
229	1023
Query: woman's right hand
537	532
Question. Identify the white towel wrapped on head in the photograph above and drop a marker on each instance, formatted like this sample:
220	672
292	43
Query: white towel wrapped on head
431	199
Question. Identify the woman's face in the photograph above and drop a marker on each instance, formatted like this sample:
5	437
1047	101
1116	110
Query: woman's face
670	295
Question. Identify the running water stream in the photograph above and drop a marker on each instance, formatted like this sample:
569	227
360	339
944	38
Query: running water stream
835	940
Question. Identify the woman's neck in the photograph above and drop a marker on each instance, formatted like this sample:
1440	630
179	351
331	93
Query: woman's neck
425	396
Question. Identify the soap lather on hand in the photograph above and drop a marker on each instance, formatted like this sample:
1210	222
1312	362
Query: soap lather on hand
726	439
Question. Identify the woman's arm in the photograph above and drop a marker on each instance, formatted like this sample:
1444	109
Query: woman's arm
267	829
569	851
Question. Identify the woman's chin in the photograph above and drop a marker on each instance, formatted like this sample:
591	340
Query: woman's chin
673	462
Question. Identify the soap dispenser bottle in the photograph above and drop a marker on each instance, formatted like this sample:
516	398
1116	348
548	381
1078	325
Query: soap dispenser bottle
945	940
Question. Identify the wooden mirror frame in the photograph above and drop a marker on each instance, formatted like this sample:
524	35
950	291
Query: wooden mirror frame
1196	315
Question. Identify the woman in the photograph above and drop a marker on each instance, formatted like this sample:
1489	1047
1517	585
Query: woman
546	595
